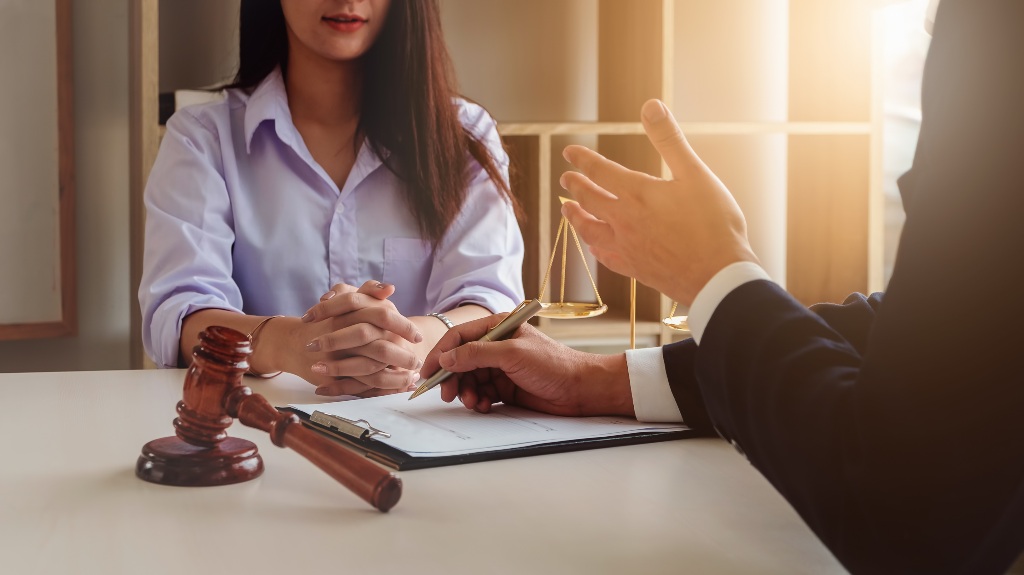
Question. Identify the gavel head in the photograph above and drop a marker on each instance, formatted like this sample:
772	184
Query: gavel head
200	452
218	364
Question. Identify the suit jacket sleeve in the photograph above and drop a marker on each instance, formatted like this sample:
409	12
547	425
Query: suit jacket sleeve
904	451
851	321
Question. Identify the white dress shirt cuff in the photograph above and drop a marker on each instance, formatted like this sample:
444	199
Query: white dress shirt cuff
729	278
652	397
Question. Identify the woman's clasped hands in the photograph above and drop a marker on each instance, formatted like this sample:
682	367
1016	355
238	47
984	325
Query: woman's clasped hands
355	342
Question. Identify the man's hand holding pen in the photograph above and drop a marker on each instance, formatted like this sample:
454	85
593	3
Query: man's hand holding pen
528	370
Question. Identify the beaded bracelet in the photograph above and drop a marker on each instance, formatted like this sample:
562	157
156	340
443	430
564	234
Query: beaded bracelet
252	343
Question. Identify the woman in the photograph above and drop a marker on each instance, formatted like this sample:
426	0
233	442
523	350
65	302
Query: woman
340	156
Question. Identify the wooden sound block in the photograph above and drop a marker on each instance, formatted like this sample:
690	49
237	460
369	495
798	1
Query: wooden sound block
171	461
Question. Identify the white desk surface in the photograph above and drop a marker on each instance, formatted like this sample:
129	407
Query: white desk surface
70	501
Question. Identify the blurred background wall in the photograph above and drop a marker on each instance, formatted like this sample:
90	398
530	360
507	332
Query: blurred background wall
525	60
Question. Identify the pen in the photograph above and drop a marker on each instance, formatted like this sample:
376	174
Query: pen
505	328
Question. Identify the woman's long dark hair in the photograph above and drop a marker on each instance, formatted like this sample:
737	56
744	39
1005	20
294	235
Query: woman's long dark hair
407	104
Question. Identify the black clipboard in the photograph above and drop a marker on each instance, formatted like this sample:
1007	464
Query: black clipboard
359	434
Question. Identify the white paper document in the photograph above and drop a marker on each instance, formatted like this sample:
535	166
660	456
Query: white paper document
427	426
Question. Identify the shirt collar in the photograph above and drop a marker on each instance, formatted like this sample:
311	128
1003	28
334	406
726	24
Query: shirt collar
269	101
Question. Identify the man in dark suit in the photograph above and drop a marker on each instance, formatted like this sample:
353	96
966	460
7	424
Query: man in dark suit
893	424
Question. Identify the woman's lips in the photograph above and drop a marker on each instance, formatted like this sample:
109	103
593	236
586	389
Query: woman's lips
345	22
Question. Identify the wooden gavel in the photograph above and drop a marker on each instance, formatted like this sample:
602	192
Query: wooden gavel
201	453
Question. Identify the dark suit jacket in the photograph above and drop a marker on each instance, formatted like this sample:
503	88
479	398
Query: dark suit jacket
895	425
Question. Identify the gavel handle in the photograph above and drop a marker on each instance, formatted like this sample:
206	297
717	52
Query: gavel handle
376	485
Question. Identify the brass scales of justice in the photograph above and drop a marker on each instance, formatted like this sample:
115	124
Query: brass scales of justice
578	310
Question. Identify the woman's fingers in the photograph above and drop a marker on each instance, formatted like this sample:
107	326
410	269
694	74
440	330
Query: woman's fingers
340	305
376	392
368	325
388	353
342	386
376	289
337	289
348	367
389	379
354	340
357	306
368	359
373	288
388	319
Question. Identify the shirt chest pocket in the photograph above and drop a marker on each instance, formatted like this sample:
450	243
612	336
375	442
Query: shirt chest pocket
407	264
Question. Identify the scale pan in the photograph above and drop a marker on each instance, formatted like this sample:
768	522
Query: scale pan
570	310
676	322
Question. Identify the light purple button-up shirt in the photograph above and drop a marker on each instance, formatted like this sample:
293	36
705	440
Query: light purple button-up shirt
241	217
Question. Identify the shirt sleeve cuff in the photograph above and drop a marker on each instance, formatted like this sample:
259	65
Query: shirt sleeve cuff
729	278
494	301
648	382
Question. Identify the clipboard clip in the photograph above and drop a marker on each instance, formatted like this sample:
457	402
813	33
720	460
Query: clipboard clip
347	426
